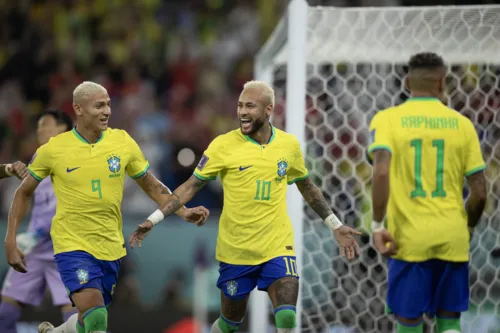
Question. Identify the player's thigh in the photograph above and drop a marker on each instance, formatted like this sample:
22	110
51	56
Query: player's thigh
25	288
56	286
82	276
233	309
279	277
409	288
237	281
111	270
452	291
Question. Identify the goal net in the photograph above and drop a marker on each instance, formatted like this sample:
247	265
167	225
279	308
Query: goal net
355	67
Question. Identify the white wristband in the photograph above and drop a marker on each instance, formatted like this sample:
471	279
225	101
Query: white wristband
8	170
156	217
333	222
377	226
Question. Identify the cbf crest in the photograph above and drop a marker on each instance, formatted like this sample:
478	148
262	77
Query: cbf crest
114	165
232	287
282	169
83	276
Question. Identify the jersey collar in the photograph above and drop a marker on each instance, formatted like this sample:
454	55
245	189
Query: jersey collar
422	99
273	135
82	139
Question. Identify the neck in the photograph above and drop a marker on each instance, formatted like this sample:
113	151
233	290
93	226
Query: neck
417	94
263	135
91	135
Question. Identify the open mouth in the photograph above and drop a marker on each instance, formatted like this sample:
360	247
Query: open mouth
246	124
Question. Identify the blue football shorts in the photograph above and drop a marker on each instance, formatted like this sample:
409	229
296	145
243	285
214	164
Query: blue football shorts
80	270
237	281
415	288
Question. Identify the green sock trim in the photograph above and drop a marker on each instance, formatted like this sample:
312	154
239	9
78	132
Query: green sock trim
79	327
227	326
285	318
444	324
410	329
96	319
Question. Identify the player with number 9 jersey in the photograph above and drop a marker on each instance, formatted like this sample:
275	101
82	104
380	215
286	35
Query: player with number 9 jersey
433	147
88	180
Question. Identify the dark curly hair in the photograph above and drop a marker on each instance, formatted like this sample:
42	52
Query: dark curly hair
425	60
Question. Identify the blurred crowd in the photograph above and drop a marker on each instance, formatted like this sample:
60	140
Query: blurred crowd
173	69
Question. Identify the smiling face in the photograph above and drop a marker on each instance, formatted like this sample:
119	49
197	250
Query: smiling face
94	110
254	110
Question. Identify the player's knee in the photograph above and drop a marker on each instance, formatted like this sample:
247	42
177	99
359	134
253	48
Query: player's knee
96	319
285	316
9	314
448	325
223	325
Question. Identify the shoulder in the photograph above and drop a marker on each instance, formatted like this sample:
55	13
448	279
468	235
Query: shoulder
287	138
385	115
226	139
117	134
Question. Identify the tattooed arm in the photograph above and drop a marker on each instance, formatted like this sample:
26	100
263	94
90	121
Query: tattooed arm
343	234
157	191
182	195
313	196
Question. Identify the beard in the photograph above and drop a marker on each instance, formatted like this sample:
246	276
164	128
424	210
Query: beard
256	126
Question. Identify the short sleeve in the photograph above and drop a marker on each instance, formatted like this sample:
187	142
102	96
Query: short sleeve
40	165
137	165
212	161
297	170
474	161
379	135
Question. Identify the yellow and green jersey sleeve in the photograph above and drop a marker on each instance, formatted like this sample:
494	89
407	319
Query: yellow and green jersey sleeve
212	161
380	134
474	158
41	163
138	165
298	170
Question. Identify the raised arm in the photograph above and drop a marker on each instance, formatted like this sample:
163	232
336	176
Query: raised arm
477	199
344	234
17	211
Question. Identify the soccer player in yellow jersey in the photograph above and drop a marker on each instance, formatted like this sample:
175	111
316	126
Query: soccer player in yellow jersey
87	167
255	245
421	152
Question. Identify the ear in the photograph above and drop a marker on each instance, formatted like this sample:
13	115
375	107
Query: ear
407	83
269	110
77	109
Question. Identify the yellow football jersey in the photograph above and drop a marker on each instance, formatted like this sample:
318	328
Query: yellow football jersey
254	226
88	181
433	147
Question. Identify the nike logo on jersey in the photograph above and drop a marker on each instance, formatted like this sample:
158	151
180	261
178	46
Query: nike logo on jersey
244	168
72	169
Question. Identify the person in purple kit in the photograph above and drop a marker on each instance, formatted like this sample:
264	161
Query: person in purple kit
20	289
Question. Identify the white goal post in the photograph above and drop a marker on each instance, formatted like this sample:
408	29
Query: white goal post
332	70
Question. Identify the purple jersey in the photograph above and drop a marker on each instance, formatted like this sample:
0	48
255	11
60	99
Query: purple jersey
43	211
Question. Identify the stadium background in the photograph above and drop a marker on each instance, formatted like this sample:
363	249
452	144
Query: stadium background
174	70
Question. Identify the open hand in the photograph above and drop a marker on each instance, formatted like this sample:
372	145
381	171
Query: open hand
18	169
348	245
16	258
384	243
140	233
197	215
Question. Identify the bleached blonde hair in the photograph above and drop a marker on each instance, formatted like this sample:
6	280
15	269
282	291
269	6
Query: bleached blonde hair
85	89
267	90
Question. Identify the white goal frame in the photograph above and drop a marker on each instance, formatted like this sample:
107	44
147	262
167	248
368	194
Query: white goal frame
292	43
